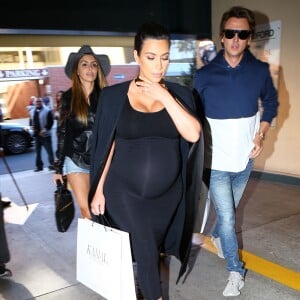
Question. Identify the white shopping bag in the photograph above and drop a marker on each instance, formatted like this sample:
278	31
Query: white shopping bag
104	262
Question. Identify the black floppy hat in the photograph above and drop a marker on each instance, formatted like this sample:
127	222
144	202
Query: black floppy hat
102	59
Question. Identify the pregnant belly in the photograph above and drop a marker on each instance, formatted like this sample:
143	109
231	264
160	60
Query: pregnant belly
148	167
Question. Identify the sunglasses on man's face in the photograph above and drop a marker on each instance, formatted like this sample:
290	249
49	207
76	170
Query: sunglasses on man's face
242	34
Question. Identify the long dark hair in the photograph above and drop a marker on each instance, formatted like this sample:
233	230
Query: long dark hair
150	30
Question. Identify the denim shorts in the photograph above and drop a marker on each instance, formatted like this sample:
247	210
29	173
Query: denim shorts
71	167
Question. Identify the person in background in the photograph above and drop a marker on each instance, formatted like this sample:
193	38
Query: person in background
230	87
141	139
1	113
41	120
57	104
87	72
31	104
48	100
4	250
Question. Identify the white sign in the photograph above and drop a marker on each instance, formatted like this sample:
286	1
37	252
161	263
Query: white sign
266	46
23	74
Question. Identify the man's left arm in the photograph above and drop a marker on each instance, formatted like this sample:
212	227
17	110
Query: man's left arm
269	101
49	120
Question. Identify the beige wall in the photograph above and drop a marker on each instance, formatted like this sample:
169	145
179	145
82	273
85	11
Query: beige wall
282	146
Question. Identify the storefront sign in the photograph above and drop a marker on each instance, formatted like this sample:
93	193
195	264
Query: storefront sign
266	47
23	74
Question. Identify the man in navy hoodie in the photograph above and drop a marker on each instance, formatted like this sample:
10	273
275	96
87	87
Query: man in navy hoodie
230	87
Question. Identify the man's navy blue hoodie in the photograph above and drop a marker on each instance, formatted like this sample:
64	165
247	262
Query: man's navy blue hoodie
230	93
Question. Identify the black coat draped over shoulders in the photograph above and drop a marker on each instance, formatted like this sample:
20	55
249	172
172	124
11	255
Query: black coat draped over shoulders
112	99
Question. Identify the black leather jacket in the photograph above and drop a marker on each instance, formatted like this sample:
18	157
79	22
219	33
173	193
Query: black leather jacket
73	137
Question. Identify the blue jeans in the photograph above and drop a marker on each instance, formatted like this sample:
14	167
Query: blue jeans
226	190
45	142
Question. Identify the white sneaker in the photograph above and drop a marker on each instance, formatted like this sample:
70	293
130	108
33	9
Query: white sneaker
234	285
217	243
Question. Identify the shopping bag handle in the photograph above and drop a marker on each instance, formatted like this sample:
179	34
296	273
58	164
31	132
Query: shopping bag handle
103	220
61	185
58	183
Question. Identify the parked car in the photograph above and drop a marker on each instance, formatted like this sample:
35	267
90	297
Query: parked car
15	138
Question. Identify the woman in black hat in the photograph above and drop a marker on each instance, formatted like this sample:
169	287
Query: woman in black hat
87	72
141	142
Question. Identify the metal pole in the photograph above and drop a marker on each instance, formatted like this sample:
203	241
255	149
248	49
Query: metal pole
12	176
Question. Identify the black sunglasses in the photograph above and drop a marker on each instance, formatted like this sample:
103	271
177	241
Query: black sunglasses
242	34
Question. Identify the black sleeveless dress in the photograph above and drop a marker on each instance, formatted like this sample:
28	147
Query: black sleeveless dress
144	187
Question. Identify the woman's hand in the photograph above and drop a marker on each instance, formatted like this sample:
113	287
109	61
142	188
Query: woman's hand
98	204
58	177
154	90
187	125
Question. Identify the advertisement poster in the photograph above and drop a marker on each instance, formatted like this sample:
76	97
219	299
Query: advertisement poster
266	46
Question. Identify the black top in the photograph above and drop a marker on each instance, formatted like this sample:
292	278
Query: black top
74	137
149	123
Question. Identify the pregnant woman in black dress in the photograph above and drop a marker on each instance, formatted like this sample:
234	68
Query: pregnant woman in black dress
142	135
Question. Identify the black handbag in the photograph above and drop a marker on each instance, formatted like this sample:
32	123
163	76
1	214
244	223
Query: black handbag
64	207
